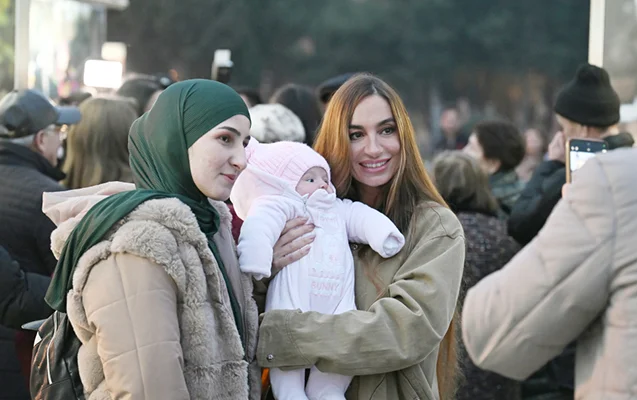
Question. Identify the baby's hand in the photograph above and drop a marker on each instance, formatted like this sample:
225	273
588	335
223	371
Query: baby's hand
393	244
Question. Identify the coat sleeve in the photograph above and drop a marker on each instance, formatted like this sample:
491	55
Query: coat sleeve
42	230
21	294
136	327
366	225
517	319
536	201
259	232
401	329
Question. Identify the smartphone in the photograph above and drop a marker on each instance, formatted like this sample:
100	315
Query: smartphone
222	66
578	151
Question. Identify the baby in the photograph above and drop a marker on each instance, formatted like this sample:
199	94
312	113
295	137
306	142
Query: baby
285	180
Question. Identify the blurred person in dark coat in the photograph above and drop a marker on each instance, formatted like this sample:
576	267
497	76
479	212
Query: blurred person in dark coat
464	185
499	148
31	132
587	108
21	301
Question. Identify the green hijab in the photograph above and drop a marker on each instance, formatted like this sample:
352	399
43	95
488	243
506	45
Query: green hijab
158	146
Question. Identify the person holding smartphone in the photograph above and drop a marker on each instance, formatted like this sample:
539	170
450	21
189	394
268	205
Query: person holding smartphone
574	282
586	108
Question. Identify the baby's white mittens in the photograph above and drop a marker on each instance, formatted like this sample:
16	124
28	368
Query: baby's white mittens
393	244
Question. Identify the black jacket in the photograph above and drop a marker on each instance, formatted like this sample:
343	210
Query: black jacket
543	192
21	294
21	301
536	202
25	233
24	229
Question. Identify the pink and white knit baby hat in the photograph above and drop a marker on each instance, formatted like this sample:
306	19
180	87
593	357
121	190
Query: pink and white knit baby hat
286	160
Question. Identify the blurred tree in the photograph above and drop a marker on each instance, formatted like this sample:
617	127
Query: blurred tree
465	47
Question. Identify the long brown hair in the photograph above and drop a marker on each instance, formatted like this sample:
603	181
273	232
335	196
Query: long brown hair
410	186
463	183
97	147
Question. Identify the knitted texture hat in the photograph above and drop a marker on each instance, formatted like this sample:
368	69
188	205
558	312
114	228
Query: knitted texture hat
274	123
589	99
286	160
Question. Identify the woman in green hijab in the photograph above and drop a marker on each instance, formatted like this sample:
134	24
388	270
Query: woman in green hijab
149	277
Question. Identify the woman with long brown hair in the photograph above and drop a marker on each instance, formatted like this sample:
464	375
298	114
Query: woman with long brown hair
400	343
97	147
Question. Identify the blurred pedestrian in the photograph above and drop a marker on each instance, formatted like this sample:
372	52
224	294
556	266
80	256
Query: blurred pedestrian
21	301
586	107
327	88
31	132
499	148
249	95
144	89
97	147
464	184
535	150
302	102
452	137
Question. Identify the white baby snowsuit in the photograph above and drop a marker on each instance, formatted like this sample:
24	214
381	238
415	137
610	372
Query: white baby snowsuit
322	281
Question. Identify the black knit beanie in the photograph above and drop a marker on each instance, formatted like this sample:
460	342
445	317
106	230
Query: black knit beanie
589	98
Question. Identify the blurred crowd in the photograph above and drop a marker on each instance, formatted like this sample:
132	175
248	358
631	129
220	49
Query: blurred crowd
548	267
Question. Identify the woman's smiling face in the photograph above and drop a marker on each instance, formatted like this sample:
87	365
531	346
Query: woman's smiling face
374	143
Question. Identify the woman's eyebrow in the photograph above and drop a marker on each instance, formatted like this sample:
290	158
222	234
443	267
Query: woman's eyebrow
231	129
383	122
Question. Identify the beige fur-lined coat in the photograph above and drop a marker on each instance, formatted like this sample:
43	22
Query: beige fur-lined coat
151	308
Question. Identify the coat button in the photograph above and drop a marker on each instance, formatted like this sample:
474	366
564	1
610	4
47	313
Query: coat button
270	357
354	246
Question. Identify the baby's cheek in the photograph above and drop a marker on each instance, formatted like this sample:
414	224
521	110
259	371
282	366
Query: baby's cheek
300	189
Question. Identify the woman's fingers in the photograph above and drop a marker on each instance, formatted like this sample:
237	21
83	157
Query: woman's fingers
293	244
293	223
292	240
279	263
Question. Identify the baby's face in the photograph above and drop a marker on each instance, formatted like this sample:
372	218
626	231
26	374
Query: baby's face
315	178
